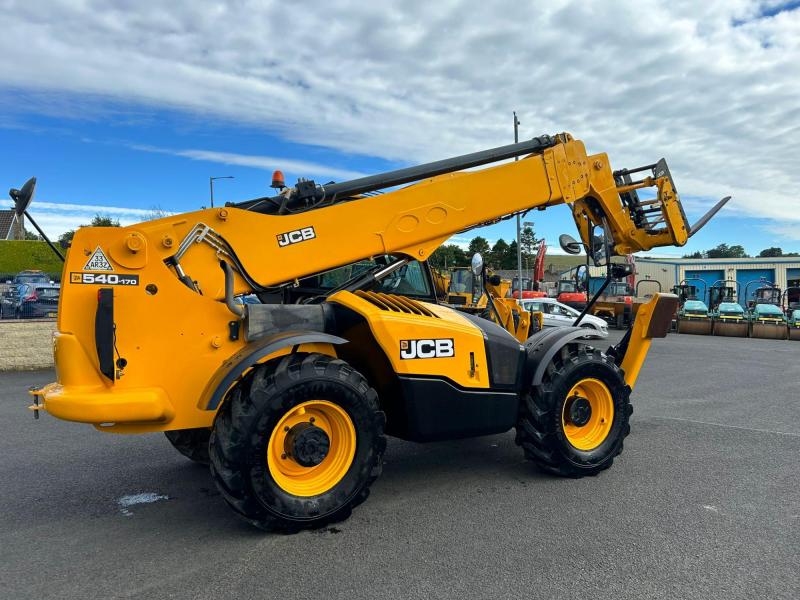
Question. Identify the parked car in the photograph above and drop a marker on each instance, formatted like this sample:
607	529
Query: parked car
30	277
9	300
561	315
30	300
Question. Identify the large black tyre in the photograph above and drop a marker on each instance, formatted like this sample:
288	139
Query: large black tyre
541	427
192	443
242	430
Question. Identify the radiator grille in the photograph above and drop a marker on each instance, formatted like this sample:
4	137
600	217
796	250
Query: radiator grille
395	303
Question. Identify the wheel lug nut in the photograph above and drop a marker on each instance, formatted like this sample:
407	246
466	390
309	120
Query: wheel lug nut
283	456
311	420
286	428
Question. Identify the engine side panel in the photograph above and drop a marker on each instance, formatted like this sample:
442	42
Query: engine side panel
446	345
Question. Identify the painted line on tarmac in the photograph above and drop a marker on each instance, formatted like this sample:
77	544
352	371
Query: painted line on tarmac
726	426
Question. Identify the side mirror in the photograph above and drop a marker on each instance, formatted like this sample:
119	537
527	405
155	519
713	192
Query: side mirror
569	244
477	264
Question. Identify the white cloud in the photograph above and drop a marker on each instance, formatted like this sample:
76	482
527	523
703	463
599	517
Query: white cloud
788	232
57	217
712	86
260	162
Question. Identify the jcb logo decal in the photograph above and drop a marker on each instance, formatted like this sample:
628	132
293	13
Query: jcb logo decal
441	348
296	236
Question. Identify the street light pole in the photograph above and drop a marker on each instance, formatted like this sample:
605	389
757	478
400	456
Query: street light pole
519	233
211	185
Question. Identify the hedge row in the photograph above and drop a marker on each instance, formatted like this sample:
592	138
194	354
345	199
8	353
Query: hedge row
21	255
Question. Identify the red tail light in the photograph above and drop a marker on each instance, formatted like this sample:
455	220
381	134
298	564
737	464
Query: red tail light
32	298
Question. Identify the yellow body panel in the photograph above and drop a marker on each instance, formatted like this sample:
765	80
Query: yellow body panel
391	328
661	307
173	340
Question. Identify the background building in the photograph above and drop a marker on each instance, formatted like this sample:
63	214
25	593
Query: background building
783	272
11	227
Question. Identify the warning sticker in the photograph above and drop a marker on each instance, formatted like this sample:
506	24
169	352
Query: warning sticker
98	262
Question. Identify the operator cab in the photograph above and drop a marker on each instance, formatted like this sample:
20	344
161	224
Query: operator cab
413	279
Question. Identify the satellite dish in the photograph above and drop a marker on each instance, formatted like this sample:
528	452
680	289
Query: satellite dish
22	198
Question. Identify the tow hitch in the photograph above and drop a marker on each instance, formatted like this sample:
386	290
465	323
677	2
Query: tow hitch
36	407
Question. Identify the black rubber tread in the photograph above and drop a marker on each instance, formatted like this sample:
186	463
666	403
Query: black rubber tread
244	424
539	430
192	443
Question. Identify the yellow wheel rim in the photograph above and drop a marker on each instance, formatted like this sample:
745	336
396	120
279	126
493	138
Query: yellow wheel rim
293	477
592	433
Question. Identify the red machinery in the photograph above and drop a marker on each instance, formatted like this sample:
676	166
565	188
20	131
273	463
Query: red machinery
530	289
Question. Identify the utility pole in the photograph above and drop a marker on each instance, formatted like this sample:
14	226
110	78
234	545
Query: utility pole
211	185
519	231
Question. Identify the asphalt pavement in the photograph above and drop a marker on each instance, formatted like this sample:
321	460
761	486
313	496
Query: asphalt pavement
703	503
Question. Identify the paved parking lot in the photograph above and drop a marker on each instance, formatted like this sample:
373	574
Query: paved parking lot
703	503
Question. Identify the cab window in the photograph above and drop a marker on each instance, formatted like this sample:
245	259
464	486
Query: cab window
408	280
461	281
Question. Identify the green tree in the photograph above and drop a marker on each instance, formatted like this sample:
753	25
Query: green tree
478	244
97	221
528	241
696	254
29	235
770	252
448	256
510	259
725	251
499	254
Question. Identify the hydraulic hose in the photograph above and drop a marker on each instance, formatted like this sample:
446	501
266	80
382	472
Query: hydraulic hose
229	301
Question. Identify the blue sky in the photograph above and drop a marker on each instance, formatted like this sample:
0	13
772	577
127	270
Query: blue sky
123	109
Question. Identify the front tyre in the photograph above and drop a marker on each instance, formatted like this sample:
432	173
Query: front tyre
298	443
574	422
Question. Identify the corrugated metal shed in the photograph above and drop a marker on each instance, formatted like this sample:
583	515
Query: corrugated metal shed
671	271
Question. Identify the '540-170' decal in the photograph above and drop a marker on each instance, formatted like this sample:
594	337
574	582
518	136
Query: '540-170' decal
104	278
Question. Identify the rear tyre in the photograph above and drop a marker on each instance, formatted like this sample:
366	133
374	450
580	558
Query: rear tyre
298	443
192	443
573	424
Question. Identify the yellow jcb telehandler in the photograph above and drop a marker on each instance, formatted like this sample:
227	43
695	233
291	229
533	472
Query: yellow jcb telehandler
290	401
